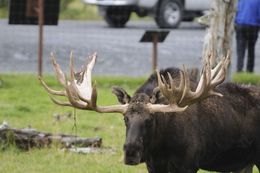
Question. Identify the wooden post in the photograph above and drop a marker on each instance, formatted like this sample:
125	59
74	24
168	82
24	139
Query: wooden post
154	36
221	27
155	54
40	44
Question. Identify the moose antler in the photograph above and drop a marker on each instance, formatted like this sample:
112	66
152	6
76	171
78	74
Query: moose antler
179	97
78	89
82	95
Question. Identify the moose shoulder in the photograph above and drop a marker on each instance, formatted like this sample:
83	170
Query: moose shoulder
171	122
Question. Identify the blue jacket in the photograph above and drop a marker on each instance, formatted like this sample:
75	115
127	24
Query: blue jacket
248	12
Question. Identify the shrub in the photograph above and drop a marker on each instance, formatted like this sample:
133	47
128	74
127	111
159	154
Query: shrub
64	4
3	3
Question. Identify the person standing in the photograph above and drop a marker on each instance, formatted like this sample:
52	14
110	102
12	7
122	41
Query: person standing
247	26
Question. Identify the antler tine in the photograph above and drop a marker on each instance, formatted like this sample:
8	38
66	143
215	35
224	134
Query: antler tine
172	86
160	82
59	73
182	81
203	80
51	91
72	71
186	85
220	77
164	87
60	77
215	70
60	103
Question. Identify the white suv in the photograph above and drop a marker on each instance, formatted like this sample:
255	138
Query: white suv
167	13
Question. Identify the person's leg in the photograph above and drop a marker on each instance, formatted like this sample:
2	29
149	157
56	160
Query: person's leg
252	38
241	46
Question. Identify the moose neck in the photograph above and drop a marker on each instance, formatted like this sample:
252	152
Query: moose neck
165	127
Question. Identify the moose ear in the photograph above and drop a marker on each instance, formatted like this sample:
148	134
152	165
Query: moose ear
156	96
121	94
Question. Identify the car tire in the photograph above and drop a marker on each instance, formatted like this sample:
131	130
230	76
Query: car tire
117	17
170	14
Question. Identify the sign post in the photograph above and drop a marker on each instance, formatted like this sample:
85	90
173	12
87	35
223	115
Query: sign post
40	44
154	36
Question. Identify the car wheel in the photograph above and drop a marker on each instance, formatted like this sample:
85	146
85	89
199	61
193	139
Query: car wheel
117	16
169	14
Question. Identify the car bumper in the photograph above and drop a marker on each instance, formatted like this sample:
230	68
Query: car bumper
111	2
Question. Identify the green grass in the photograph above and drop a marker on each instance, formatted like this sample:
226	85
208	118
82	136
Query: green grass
24	102
246	78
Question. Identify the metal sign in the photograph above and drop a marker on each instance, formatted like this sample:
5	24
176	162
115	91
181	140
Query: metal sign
35	12
154	36
27	12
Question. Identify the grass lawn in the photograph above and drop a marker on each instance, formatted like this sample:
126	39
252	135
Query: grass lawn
24	102
247	78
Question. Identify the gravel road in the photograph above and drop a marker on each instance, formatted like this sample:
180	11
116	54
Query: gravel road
119	50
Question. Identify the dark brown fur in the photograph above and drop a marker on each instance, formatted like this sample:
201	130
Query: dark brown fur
216	134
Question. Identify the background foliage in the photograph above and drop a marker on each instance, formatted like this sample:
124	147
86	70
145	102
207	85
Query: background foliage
70	9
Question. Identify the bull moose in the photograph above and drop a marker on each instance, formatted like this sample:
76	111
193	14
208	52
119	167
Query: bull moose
176	125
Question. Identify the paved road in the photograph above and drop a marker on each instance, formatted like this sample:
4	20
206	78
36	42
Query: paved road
119	50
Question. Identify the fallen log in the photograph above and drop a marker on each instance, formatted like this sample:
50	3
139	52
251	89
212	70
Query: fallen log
30	138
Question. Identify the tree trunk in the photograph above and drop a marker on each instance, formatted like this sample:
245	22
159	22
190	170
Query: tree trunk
218	39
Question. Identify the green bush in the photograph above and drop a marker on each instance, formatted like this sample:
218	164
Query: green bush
64	4
3	8
69	9
3	3
246	78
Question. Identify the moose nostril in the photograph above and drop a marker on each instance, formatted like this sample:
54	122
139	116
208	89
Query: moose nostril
130	153
131	150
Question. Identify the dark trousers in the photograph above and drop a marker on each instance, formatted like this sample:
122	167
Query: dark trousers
246	37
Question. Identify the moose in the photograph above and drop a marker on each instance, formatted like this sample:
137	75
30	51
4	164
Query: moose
174	124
